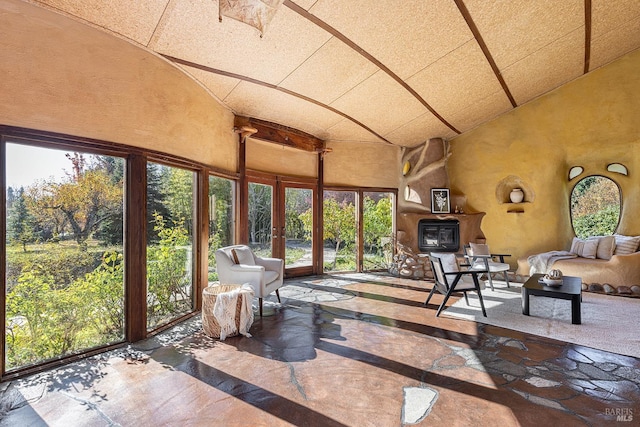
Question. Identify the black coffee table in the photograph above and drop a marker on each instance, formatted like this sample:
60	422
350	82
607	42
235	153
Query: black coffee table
571	289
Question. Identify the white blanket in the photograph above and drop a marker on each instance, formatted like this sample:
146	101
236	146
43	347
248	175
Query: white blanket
224	311
542	263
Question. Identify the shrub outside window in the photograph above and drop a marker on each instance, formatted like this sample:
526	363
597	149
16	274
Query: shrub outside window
595	206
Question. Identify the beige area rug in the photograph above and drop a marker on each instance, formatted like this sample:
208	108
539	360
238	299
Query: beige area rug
608	322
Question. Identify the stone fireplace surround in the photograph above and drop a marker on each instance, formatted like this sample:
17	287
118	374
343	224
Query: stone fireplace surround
409	261
423	168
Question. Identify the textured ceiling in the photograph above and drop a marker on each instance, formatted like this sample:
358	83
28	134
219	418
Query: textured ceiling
385	71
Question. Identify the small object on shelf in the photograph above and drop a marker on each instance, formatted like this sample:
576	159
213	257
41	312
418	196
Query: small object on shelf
516	195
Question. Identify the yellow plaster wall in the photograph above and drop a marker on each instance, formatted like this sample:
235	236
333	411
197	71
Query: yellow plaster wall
590	122
278	159
362	164
62	76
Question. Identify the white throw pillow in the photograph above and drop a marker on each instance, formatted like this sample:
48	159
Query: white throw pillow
606	246
626	244
243	256
584	248
448	261
479	249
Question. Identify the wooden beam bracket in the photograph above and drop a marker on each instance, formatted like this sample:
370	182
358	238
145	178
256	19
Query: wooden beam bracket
278	134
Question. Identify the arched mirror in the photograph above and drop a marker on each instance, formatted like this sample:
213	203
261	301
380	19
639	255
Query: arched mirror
595	206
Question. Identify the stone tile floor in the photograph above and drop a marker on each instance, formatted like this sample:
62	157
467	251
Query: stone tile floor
341	350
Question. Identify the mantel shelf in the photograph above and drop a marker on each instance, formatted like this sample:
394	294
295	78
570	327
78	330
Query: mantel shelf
524	202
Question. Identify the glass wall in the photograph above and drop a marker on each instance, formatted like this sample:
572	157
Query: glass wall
298	218
64	274
378	230
170	244
64	253
221	218
339	240
260	218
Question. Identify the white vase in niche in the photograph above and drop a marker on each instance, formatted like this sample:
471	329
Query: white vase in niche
516	195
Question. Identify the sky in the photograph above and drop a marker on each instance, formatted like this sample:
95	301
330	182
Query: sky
26	164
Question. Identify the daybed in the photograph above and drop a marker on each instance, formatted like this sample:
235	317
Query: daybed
621	269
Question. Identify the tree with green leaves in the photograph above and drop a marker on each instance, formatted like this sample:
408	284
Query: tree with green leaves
111	230
51	222
377	221
297	201
220	214
260	199
87	201
178	189
156	197
339	224
21	224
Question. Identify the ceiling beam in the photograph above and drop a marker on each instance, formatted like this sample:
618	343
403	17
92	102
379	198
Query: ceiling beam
278	134
344	39
487	54
587	35
274	87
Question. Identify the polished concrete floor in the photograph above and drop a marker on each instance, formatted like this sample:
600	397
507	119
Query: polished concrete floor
341	350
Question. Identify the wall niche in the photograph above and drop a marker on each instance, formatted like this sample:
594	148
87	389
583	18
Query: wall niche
508	184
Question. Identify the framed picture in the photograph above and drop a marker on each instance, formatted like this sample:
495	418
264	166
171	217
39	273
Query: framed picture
440	201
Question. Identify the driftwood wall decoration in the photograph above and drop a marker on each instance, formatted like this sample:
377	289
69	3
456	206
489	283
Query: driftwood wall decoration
423	167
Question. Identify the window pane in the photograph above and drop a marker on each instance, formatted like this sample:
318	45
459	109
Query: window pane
64	263
339	231
221	219
260	221
595	206
378	230
170	201
298	227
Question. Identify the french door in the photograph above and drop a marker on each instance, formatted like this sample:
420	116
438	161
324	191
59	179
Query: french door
282	219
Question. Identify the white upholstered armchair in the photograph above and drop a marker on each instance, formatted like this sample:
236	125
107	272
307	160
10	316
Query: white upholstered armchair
238	265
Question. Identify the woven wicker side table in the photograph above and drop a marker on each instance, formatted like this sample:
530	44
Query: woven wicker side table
210	324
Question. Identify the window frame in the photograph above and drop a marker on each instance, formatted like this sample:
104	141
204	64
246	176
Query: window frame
196	224
47	140
134	245
359	191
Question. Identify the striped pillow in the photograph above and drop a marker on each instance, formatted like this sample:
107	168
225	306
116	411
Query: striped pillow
584	248
626	244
